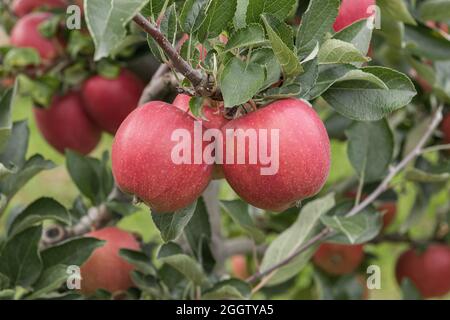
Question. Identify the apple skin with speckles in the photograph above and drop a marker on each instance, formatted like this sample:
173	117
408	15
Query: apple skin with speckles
303	155
142	158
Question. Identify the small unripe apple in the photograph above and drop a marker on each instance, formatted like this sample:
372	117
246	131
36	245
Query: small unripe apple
239	267
291	161
65	125
23	7
445	128
338	259
109	101
25	34
351	11
105	268
142	160
429	270
389	210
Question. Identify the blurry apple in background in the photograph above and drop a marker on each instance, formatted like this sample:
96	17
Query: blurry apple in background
65	124
338	259
26	34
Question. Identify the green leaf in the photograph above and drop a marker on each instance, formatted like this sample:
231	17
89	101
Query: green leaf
367	101
122	208
279	8
251	78
91	176
358	34
293	238
250	36
188	267
370	149
266	58
6	102
107	20
435	10
396	9
16	148
331	74
280	38
108	69
4	282
198	235
241	14
20	260
417	175
193	15
218	16
169	24
228	289
40	89
313	30
171	225
239	212
335	51
50	280
37	212
74	251
139	260
13	183
79	44
357	229
154	8
308	79
21	58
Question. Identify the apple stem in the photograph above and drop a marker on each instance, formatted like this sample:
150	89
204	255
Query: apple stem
384	185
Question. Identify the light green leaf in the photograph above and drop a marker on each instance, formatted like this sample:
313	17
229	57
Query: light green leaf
358	34
396	9
417	175
50	280
435	10
188	267
193	15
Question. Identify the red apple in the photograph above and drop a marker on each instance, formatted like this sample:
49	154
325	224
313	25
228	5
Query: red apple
429	271
389	210
143	163
239	267
445	128
105	268
23	7
300	157
65	125
351	11
109	101
25	34
338	259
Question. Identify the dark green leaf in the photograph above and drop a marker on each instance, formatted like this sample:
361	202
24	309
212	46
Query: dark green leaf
218	16
279	8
